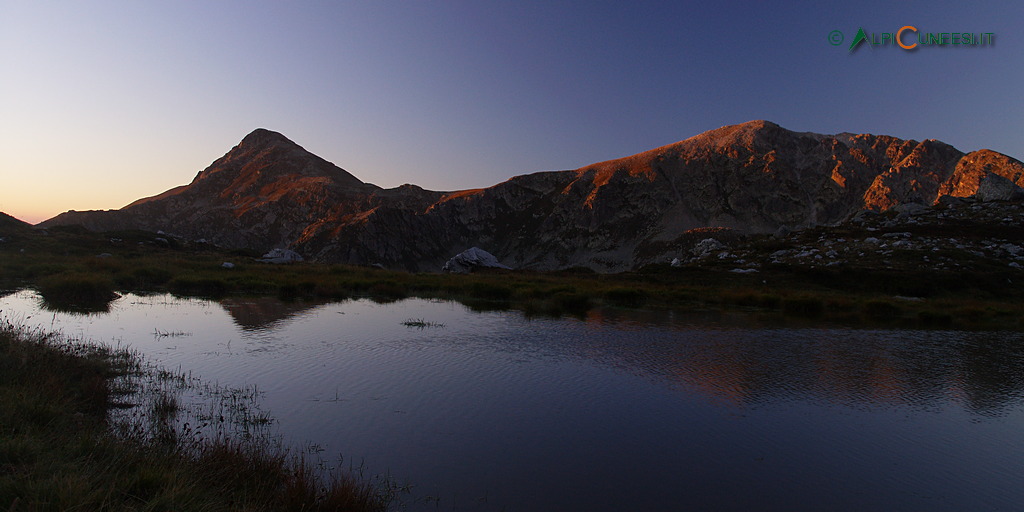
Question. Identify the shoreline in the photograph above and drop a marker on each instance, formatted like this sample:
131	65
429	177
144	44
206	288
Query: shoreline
66	442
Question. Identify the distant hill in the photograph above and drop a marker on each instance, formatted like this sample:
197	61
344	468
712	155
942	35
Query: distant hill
9	225
610	216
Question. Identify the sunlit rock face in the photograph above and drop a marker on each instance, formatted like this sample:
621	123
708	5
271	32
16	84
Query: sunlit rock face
754	177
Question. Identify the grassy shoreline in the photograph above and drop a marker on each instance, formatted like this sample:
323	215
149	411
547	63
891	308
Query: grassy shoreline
76	269
63	445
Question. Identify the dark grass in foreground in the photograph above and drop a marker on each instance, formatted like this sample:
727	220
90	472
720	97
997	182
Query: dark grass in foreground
59	450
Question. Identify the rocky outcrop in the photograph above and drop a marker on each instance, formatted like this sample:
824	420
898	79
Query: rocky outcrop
472	259
610	216
280	256
949	237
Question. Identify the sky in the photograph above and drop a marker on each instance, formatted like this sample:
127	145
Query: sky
105	102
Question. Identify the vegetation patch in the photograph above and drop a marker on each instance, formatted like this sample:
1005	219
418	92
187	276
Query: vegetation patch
77	292
65	444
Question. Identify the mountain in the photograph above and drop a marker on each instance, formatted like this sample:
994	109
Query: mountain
261	194
752	177
9	225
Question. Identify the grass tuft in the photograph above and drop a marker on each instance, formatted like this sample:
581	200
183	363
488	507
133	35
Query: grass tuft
420	323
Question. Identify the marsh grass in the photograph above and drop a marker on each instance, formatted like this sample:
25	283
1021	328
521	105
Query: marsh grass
87	427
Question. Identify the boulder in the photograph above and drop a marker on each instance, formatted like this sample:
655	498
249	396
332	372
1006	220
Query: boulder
470	259
950	201
783	232
997	188
706	247
863	216
281	256
907	210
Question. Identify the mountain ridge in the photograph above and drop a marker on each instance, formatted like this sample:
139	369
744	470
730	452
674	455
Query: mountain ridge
10	224
614	215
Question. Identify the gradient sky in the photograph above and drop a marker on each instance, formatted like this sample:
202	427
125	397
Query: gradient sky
102	102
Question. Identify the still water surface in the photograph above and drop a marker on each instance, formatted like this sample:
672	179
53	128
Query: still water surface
620	411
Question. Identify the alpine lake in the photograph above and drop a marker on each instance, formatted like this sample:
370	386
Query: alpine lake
619	410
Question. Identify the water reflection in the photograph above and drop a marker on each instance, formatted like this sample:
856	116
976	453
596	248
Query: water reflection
728	357
622	410
746	366
259	313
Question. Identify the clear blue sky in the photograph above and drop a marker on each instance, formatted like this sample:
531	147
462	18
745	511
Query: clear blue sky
105	102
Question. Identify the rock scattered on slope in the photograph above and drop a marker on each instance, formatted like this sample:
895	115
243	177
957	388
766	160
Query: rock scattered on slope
968	234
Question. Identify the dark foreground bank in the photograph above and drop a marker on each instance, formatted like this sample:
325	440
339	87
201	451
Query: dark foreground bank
63	445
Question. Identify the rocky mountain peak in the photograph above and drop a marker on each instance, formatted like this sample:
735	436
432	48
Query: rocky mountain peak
262	138
265	156
744	134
